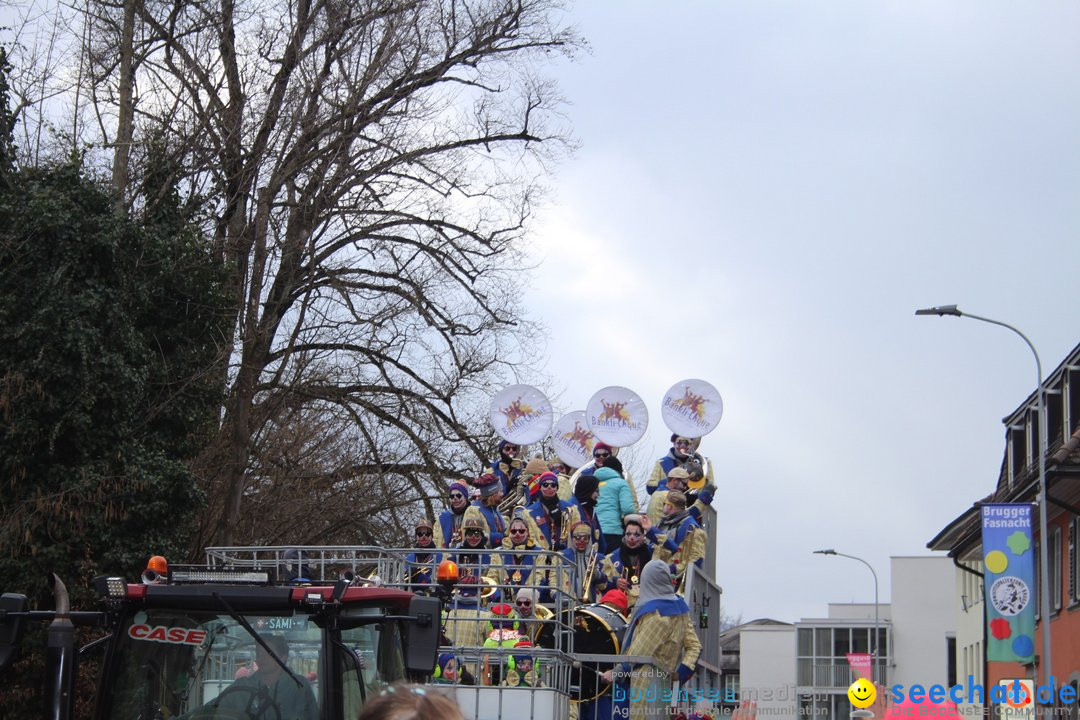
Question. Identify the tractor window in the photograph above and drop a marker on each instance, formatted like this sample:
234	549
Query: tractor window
206	665
376	659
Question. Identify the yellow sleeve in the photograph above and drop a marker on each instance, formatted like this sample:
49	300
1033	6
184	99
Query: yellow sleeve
691	645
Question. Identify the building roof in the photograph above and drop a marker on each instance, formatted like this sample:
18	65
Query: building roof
962	537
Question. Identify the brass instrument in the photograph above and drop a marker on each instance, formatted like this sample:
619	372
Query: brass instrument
590	568
514	499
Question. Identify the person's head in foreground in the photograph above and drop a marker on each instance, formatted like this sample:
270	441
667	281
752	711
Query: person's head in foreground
410	702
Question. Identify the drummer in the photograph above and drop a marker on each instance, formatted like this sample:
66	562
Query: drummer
683	450
623	565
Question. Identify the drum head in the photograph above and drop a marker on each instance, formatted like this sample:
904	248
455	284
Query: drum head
597	630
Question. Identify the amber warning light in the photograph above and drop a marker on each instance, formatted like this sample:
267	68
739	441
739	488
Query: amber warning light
157	569
447	574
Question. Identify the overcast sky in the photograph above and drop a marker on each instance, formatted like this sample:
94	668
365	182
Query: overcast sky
764	193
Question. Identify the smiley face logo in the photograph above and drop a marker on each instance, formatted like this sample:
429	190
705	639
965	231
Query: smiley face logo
862	693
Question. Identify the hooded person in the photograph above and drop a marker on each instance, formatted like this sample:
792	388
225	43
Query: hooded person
508	465
486	508
682	451
586	493
677	538
533	618
450	671
660	628
473	557
448	527
550	518
423	562
616	501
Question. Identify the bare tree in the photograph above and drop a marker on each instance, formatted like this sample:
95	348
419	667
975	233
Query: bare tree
372	166
365	170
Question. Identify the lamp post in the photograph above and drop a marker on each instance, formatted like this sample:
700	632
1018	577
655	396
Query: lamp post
1044	564
877	624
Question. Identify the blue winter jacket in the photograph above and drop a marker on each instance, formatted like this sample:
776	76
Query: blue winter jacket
616	500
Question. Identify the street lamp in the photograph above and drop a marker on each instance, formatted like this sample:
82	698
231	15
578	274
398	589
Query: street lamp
1044	564
877	625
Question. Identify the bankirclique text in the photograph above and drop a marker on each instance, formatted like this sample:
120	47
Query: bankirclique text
974	692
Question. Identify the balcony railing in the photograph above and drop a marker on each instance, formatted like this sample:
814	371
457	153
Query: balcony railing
833	676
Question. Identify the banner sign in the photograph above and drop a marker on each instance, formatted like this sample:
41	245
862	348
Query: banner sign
862	665
1009	563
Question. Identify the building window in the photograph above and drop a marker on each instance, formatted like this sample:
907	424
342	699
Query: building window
950	663
1053	560
1072	561
731	686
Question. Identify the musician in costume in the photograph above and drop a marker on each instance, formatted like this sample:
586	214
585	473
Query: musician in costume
473	557
563	472
486	509
623	566
581	574
533	619
586	493
677	539
550	518
448	528
530	479
519	565
681	452
507	467
679	479
616	501
660	628
420	566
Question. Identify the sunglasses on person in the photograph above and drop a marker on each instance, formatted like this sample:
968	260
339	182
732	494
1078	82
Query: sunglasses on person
511	448
579	538
518	531
686	443
601	455
523	603
473	533
423	533
549	484
457	496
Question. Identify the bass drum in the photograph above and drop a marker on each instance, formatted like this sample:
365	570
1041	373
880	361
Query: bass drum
597	630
